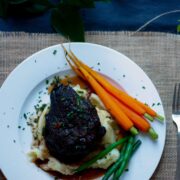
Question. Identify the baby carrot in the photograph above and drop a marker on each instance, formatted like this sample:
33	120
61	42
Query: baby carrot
147	108
138	121
150	111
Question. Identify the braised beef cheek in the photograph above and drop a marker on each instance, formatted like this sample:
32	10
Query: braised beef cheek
72	127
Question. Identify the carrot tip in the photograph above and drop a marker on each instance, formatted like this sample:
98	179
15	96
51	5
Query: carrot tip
149	117
160	118
134	131
153	133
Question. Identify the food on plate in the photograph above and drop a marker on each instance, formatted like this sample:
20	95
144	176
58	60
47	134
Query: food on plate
88	124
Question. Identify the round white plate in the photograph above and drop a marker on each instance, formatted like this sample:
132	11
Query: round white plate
26	85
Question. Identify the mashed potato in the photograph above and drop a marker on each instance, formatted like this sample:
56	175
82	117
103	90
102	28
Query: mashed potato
40	151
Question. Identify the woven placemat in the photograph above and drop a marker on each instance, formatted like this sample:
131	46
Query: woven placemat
157	53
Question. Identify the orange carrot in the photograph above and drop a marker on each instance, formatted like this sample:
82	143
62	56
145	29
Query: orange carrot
120	95
138	121
110	104
148	109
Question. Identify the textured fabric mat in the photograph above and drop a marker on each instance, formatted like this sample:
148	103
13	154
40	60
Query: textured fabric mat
157	53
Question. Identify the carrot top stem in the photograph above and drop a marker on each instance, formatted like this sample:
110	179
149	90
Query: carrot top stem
153	133
149	117
134	131
160	118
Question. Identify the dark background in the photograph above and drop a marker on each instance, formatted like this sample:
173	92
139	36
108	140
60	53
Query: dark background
114	16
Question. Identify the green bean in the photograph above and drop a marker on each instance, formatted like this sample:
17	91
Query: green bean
116	165
113	168
125	158
136	146
101	154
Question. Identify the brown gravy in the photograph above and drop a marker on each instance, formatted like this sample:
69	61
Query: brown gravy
89	174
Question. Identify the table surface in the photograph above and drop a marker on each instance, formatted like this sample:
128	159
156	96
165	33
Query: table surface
114	16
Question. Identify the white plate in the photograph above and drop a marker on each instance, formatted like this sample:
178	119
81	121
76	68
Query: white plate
21	91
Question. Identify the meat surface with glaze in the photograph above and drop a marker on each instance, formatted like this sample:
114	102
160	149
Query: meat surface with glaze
73	128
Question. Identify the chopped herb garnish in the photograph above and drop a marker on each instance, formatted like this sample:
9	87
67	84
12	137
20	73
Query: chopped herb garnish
35	61
70	114
63	98
78	100
56	81
19	127
143	87
99	69
38	107
98	63
40	92
8	126
124	75
158	103
54	52
108	117
25	116
14	140
81	92
66	64
42	107
40	101
126	169
47	81
23	129
153	104
29	124
35	120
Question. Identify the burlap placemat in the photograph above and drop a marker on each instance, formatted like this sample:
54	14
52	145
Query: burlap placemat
157	53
